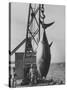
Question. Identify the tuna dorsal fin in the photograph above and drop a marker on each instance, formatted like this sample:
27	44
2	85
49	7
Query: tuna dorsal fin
50	44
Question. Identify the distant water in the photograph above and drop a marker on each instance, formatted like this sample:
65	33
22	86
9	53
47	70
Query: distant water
57	72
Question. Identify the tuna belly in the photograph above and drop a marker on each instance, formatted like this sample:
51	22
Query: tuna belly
39	51
43	59
43	53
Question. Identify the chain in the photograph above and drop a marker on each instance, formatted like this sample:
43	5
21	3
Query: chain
42	13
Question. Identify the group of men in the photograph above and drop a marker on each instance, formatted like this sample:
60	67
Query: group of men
32	75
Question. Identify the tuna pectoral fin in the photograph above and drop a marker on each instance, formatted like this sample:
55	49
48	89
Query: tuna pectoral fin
50	44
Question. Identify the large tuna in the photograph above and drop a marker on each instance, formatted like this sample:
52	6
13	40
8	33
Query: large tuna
43	56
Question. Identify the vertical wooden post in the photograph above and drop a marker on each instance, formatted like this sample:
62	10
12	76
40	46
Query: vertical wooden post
39	20
27	28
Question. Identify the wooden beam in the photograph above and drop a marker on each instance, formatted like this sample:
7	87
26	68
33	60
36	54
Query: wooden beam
11	53
34	15
33	37
35	33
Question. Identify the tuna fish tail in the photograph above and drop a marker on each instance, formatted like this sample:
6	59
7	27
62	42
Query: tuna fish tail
46	25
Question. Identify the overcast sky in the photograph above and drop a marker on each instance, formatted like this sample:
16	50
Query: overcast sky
55	33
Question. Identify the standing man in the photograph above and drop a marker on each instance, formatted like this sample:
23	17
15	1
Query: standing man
32	74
